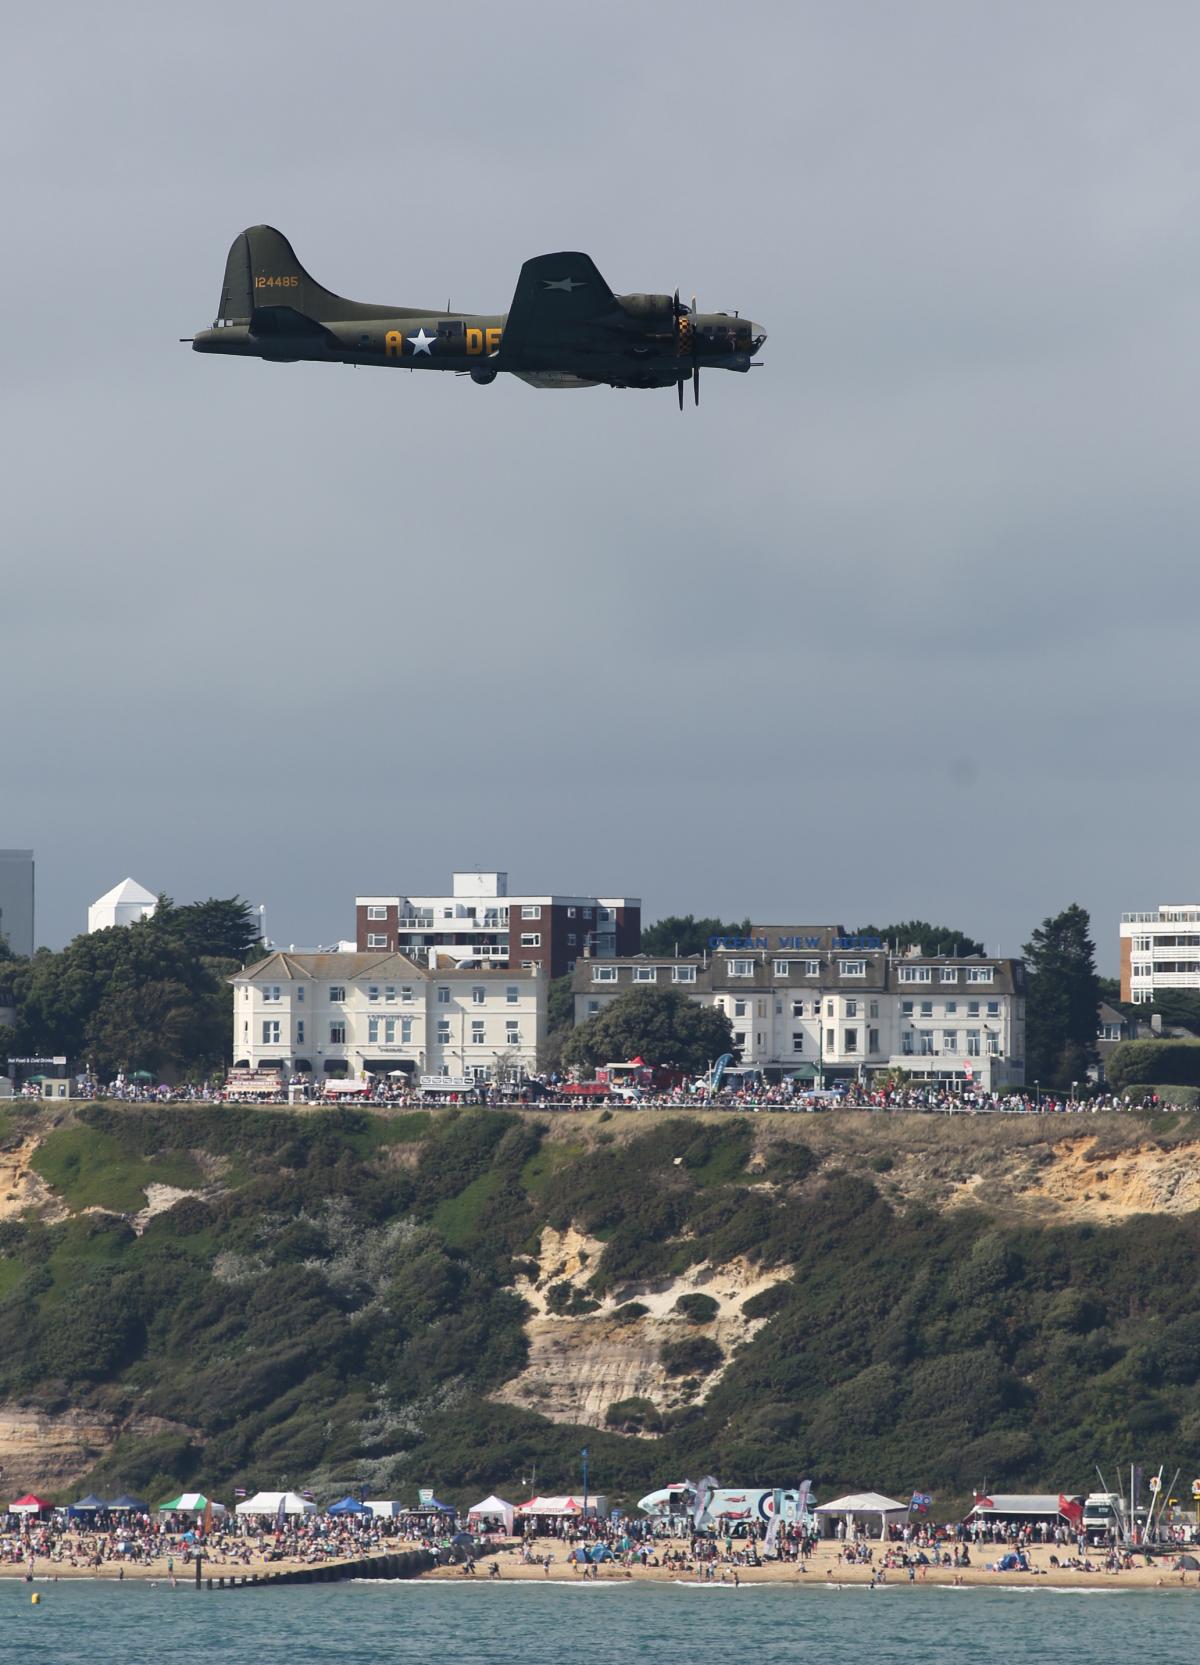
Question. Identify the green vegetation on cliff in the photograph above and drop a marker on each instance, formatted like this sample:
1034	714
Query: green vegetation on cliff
340	1304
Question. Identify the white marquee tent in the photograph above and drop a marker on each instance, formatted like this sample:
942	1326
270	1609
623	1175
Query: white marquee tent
492	1508
867	1507
270	1503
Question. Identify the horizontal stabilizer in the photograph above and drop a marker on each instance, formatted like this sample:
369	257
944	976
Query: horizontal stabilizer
284	323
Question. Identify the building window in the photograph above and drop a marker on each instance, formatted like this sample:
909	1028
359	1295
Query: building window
443	995
337	1032
925	1037
528	965
645	974
852	1008
478	995
531	939
604	974
993	1044
571	939
829	1008
405	1031
270	1032
906	1043
852	968
300	992
739	1008
850	1040
948	974
829	1039
531	913
376	913
683	974
812	968
972	1008
512	1032
906	1008
476	1031
299	1031
443	1032
872	1040
337	994
512	994
587	913
372	991
739	1037
571	912
949	1040
570	965
873	1008
972	1043
783	968
951	1007
593	1007
914	974
993	1008
389	993
797	1040
927	1008
741	968
979	974
797	1008
271	991
374	941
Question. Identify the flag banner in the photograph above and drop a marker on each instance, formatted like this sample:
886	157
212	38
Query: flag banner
704	1491
425	1497
1071	1509
281	1513
239	1491
802	1499
920	1503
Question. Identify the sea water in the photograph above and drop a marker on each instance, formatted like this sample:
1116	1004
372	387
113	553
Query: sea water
525	1623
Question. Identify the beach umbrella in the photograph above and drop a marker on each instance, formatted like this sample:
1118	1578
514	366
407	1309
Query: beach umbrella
1187	1563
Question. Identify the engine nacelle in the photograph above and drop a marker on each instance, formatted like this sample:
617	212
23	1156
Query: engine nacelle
655	313
481	375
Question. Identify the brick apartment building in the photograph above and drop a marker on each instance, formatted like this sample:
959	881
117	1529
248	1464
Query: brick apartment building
480	924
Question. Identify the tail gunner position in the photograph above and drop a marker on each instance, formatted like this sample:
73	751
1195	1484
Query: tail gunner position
565	327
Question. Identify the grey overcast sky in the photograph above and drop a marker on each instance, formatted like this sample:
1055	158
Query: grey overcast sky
903	623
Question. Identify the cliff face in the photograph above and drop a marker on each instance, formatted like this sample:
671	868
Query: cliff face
234	1294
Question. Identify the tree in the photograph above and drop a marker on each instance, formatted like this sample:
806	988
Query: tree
1062	999
684	934
221	928
919	933
660	1025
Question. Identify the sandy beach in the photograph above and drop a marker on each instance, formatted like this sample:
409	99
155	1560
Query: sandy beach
823	1567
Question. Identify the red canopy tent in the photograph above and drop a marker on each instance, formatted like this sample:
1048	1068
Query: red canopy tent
30	1505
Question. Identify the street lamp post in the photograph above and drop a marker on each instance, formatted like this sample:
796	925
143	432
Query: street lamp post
585	1483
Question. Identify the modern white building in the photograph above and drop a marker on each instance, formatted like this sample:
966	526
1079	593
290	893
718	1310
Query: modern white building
810	1001
382	1014
124	904
1159	951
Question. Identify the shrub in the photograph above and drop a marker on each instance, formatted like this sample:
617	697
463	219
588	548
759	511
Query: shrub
566	1301
697	1356
634	1416
1138	1063
630	1312
697	1309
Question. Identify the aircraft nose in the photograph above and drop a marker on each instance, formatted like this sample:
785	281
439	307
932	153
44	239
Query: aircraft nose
758	335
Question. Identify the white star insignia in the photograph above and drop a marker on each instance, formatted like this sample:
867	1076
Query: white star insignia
565	284
422	343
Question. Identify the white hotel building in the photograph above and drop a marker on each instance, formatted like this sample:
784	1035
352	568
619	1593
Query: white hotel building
802	1005
1160	951
355	1014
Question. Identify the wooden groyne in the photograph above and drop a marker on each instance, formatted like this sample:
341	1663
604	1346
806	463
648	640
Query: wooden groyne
410	1563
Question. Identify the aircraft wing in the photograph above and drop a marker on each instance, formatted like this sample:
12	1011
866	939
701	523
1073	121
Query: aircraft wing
557	297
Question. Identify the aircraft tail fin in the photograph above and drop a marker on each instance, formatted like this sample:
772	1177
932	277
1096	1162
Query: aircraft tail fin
262	271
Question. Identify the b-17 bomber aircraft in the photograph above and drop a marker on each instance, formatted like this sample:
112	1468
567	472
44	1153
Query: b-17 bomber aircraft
565	327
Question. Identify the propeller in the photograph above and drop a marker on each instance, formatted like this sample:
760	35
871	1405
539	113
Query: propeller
680	313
